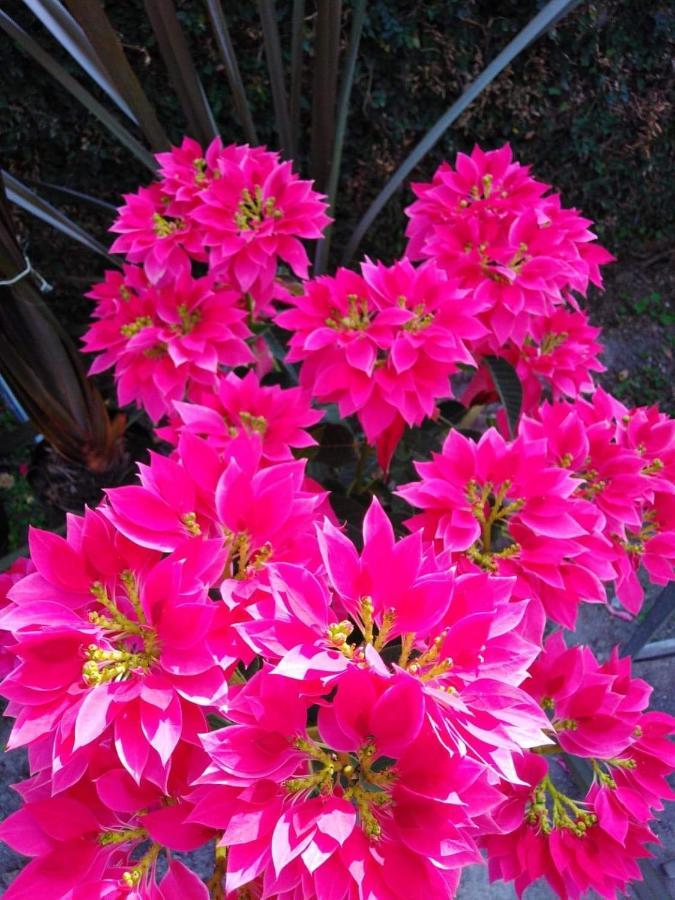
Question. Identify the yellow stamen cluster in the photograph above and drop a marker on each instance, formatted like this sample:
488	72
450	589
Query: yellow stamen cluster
489	508
357	317
163	227
566	725
361	783
156	352
257	424
189	520
188	320
654	466
593	484
253	209
489	266
550	809
103	665
551	342
605	777
132	328
427	665
480	193
133	877
635	541
241	562
199	166
421	319
338	633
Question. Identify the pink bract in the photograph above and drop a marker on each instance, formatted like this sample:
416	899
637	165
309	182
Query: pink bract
382	345
163	339
279	416
507	508
492	227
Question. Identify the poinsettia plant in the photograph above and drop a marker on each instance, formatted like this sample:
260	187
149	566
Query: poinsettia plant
212	656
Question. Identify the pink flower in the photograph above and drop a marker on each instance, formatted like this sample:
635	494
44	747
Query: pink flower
595	709
143	650
651	543
545	834
629	486
484	180
508	509
186	170
368	800
162	339
382	345
490	226
597	712
610	476
253	214
104	836
458	655
154	231
18	570
254	512
279	416
557	357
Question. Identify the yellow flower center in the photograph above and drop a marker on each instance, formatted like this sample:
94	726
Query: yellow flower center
132	328
551	342
242	561
491	510
357	318
163	227
252	209
257	424
365	779
188	320
549	808
135	646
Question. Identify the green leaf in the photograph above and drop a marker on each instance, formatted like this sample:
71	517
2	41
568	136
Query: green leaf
540	24
508	387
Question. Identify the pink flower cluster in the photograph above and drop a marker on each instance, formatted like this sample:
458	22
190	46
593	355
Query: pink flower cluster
382	344
597	713
488	223
236	212
524	257
502	262
577	502
208	657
